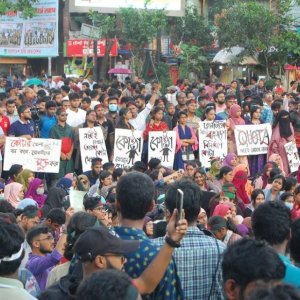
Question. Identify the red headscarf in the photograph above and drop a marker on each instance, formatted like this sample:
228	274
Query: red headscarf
240	181
221	210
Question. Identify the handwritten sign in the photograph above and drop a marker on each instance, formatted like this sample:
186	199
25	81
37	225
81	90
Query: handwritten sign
252	139
212	141
162	145
128	147
92	145
76	200
292	156
38	155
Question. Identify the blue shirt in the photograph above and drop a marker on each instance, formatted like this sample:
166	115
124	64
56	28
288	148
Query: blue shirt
46	124
198	260
267	114
169	287
223	115
19	128
292	273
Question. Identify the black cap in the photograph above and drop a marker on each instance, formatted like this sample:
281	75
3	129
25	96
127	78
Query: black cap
99	241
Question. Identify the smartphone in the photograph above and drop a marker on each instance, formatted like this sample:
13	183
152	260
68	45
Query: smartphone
179	204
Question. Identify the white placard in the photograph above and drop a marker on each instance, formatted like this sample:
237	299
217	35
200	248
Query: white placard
162	145
37	155
252	139
212	141
128	147
292	156
76	200
92	145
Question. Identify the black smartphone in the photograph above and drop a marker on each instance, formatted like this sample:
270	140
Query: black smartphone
179	204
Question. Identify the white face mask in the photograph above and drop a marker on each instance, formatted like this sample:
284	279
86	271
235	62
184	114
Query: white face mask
289	205
40	191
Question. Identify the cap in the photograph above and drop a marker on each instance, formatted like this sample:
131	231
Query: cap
99	241
216	223
26	202
172	88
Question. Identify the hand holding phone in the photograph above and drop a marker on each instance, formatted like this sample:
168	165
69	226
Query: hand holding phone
179	204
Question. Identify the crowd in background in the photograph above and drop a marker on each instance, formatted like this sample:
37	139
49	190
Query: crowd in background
240	233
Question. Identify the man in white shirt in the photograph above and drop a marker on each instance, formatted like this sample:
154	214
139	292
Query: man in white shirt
76	115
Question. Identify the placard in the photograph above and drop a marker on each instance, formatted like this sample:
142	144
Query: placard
292	156
33	37
37	155
92	145
162	145
76	200
252	139
212	141
128	147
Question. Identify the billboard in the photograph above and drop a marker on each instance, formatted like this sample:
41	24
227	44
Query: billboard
35	37
173	7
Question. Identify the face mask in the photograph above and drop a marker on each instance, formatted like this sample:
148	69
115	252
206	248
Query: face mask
1	197
289	205
40	191
113	107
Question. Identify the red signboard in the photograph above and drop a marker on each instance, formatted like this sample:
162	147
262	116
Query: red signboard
79	48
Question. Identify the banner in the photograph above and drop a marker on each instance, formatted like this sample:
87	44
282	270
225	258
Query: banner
92	144
162	145
212	141
37	155
128	147
252	139
292	156
79	48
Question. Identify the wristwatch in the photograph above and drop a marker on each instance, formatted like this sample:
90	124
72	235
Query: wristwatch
171	242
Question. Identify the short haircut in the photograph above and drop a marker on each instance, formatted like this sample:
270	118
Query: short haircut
248	260
271	222
107	285
117	173
57	215
112	98
74	96
65	88
135	193
11	240
6	207
50	104
191	199
21	109
36	231
10	101
88	100
30	211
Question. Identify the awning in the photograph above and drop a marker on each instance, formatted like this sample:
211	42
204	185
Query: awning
13	61
230	55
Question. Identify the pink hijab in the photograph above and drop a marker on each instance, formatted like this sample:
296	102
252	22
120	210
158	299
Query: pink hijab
273	158
221	210
11	192
233	115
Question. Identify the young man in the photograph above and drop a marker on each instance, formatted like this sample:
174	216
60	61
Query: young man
198	260
220	102
54	220
229	101
246	262
271	222
76	115
64	132
11	240
48	120
11	111
181	99
24	127
113	114
94	173
86	104
135	192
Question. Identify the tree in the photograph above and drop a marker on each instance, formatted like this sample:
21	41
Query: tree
259	30
139	28
24	6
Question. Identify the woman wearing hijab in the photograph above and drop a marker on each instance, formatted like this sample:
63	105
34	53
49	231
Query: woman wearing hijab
36	191
235	119
282	133
24	178
262	180
225	176
244	167
14	193
230	160
276	158
240	180
214	170
54	199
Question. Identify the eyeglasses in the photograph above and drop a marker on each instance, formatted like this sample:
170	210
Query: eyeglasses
123	258
49	238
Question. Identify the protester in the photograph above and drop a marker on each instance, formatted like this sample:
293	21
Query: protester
36	191
14	193
24	178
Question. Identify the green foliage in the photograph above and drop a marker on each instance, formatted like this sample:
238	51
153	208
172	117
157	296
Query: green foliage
24	6
193	59
256	28
105	22
163	74
191	29
140	26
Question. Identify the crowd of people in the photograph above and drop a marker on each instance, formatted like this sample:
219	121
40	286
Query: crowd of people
237	237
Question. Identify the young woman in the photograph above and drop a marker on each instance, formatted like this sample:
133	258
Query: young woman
296	207
14	193
209	114
225	176
125	116
200	179
214	170
288	199
24	178
282	133
256	162
274	193
262	180
36	191
240	180
230	160
186	142
257	198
